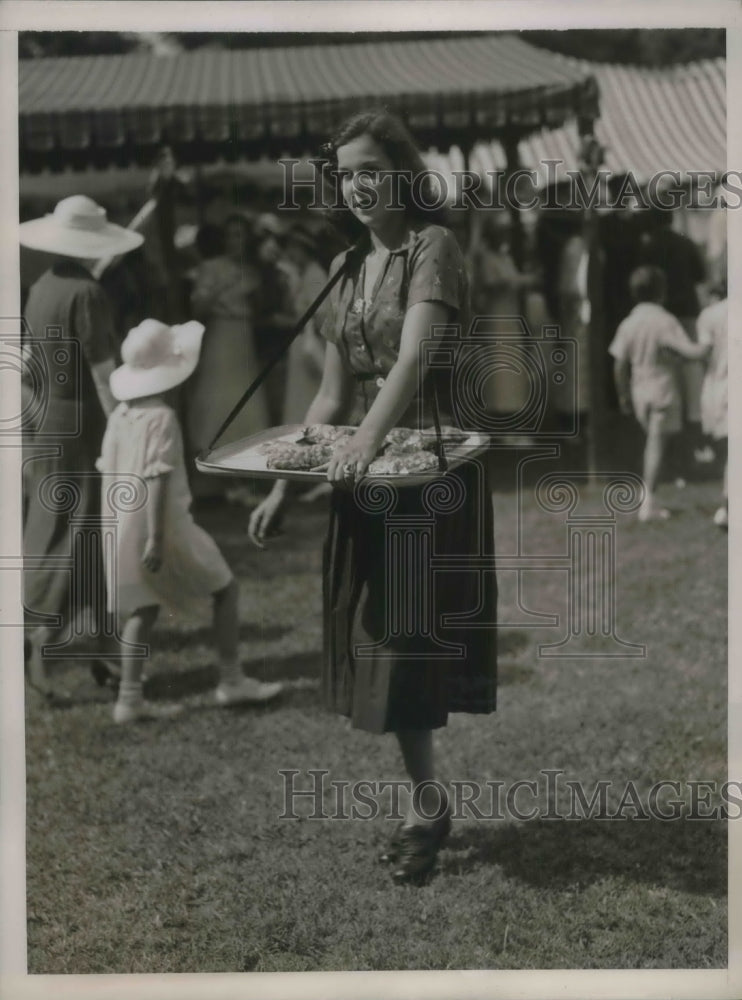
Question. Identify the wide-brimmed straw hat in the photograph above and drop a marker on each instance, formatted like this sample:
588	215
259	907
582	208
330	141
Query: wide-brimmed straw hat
78	227
156	358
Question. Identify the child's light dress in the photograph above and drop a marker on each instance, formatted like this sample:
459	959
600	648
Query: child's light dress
712	329
144	440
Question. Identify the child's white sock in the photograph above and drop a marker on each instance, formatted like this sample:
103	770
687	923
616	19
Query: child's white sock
130	693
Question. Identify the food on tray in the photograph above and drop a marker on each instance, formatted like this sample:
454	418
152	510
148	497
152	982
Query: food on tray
297	457
402	441
403	464
398	435
325	433
403	452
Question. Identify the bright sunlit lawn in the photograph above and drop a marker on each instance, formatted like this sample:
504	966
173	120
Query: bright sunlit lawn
159	848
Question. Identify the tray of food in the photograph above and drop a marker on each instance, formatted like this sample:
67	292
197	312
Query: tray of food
302	453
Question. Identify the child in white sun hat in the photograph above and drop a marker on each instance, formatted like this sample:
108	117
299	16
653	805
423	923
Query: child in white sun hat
161	556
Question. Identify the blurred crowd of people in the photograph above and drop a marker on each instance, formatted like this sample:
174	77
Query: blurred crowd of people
248	275
246	280
549	286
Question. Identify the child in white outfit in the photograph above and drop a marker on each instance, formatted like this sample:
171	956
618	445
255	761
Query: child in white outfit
647	349
712	330
161	555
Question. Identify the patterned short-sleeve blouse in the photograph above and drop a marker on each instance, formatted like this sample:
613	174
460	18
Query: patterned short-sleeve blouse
427	267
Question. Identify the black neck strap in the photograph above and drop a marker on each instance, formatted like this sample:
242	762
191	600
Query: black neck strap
296	330
298	327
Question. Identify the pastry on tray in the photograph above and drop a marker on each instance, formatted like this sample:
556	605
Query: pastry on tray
324	434
403	452
296	457
403	464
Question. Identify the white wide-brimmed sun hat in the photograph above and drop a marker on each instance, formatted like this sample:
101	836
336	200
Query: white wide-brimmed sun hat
78	227
156	358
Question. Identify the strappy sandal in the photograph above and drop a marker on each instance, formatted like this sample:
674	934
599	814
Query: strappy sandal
391	851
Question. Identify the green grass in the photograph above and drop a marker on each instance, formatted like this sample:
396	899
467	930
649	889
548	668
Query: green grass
158	848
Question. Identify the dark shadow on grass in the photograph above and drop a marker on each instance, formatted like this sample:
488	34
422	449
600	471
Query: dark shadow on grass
176	639
169	685
683	855
513	673
510	642
290	668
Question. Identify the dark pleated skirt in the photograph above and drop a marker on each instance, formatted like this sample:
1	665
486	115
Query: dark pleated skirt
410	603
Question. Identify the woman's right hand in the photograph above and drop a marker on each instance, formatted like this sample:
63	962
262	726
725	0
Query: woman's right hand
266	514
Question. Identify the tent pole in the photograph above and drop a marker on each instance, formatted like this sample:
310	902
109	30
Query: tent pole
591	156
472	231
510	139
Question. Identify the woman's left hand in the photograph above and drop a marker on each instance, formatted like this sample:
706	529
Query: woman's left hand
351	460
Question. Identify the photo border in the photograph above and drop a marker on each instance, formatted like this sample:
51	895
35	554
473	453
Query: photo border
18	15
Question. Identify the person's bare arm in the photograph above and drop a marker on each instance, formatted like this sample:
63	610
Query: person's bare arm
395	395
680	342
101	373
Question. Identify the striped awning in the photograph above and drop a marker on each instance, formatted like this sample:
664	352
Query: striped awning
290	98
650	121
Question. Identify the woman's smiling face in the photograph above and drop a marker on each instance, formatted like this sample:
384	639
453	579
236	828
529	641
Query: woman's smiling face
367	178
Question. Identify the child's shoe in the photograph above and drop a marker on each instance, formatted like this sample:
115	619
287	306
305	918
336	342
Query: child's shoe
245	690
142	711
649	511
721	518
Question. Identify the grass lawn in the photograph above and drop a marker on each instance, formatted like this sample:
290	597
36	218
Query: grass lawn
158	848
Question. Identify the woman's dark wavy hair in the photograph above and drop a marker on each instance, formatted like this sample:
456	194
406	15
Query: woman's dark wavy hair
392	136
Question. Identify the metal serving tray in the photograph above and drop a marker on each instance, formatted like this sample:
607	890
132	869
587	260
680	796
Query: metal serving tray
243	458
